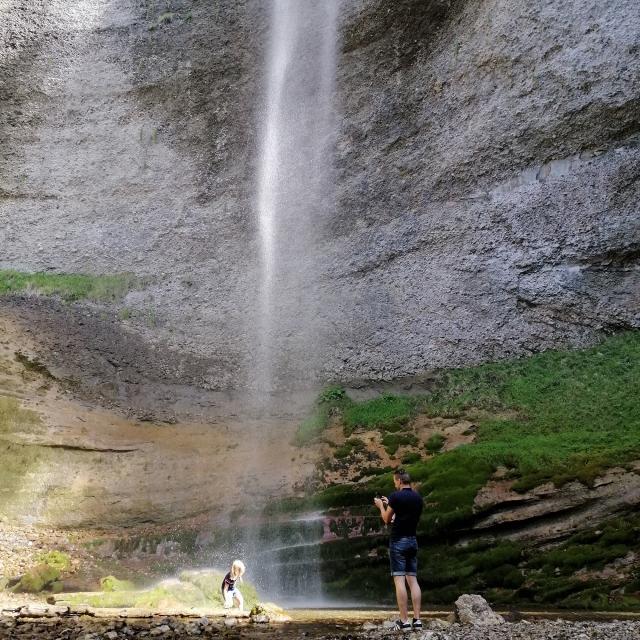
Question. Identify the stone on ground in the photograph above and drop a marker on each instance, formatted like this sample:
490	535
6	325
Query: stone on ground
475	610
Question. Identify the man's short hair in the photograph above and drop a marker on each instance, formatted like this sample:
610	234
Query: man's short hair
403	476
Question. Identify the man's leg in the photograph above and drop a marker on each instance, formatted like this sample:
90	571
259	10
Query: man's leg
416	595
401	596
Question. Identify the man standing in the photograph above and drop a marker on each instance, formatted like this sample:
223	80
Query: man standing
403	509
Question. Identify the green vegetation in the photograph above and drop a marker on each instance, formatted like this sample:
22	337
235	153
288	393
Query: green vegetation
70	287
192	589
557	416
435	443
506	573
37	579
388	412
393	441
33	364
45	575
352	445
16	459
111	584
569	416
56	559
329	403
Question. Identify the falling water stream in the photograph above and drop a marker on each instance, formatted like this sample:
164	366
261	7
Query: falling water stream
295	188
295	180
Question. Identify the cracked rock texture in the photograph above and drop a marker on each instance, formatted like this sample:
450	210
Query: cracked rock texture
487	166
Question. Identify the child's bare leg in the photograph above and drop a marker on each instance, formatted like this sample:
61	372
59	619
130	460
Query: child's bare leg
240	600
228	600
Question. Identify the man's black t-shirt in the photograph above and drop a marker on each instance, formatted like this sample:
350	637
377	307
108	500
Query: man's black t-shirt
407	507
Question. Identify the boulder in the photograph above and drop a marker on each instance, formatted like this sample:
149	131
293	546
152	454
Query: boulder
475	610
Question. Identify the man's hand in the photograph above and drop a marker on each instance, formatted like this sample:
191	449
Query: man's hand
381	503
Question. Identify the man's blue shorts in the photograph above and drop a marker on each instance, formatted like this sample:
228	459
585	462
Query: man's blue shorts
403	554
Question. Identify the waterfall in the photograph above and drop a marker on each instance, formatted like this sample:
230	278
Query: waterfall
294	197
295	182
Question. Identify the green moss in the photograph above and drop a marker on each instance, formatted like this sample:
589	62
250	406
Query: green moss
193	589
70	286
56	559
506	573
571	415
333	396
17	460
209	582
37	579
33	364
111	584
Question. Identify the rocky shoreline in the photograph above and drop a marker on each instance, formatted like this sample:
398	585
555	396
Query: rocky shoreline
85	628
51	622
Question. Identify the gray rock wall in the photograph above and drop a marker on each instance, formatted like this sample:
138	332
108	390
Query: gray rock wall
487	176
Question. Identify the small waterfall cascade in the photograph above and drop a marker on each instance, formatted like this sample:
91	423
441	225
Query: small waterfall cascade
295	186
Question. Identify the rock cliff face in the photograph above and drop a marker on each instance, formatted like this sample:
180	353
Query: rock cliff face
487	169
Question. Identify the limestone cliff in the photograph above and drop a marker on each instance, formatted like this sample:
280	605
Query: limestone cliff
486	164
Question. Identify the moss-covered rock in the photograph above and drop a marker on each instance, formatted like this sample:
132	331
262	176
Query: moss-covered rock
193	589
37	579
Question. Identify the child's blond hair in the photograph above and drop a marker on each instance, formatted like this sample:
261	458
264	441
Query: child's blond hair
237	569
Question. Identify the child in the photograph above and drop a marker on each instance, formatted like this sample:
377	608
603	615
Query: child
229	591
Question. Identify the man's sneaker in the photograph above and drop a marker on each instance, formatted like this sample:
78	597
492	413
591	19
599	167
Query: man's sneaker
417	624
402	626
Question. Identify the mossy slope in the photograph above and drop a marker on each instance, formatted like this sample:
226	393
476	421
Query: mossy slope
555	417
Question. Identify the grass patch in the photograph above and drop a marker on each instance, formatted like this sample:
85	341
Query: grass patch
572	415
70	287
393	441
351	446
435	443
411	458
387	412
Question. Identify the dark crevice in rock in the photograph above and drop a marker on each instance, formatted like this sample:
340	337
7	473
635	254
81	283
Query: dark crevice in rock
620	258
71	447
412	23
